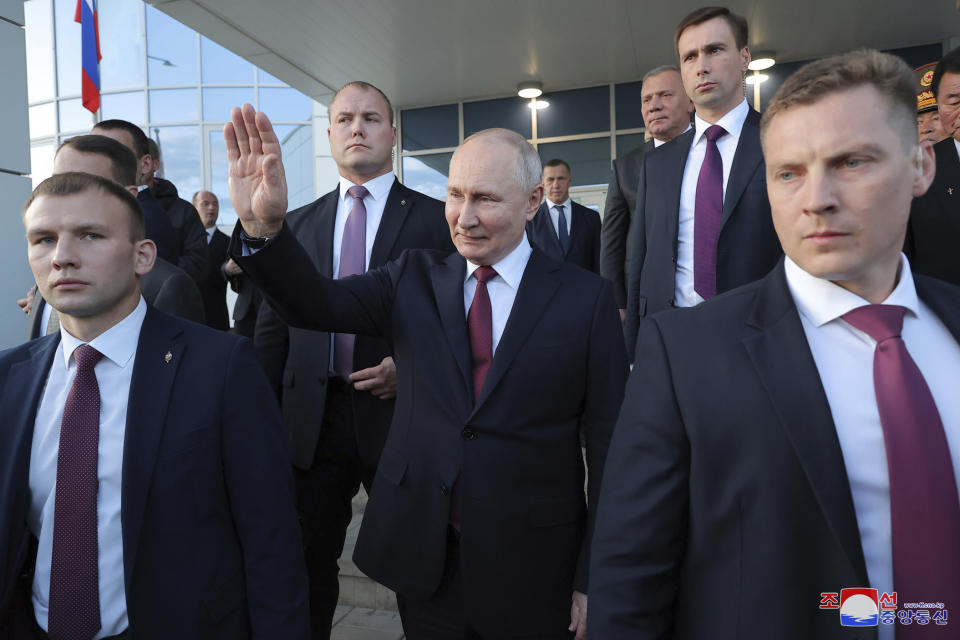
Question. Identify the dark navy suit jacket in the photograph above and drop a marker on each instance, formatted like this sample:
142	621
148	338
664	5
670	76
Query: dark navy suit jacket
584	242
933	237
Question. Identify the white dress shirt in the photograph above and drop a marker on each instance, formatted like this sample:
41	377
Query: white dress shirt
555	215
844	359
118	344
502	288
956	143
212	230
732	122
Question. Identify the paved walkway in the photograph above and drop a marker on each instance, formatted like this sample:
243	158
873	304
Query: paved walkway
357	623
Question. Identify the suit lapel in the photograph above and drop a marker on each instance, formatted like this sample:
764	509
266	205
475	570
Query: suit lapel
319	244
394	213
150	389
576	224
544	235
745	161
798	396
537	287
447	279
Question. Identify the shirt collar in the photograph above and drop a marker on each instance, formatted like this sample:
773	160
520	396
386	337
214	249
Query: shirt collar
956	143
212	230
822	301
378	188
732	122
566	204
511	268
118	343
657	142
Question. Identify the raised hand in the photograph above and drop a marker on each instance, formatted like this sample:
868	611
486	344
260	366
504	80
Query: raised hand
258	186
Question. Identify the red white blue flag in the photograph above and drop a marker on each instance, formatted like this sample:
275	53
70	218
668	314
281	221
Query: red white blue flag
90	53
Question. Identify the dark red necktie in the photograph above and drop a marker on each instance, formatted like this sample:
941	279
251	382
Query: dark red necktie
924	507
707	216
480	326
74	578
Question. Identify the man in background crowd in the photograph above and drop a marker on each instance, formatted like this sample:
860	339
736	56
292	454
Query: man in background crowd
213	287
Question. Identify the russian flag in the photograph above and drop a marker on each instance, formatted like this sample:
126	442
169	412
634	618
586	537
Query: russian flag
90	53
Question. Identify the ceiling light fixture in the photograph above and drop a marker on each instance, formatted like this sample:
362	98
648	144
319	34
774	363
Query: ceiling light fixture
538	104
756	78
763	60
530	89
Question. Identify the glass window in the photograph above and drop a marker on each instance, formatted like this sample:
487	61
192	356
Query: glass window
43	120
265	78
574	112
589	159
218	177
41	161
218	102
509	113
126	106
284	105
428	173
180	149
74	117
430	128
174	105
628	105
171	50
121	44
38	15
297	146
221	66
68	48
629	142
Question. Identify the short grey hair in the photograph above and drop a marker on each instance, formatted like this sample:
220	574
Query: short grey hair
528	169
658	70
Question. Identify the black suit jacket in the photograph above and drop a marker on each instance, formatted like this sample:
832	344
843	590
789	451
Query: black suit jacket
297	360
187	226
167	287
213	286
247	307
615	249
514	452
584	247
725	481
934	232
211	544
747	248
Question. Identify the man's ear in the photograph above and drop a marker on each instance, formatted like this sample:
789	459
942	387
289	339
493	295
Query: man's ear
533	202
925	167
144	257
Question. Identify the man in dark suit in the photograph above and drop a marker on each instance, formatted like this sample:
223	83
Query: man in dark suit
504	358
801	434
213	287
145	491
338	410
563	229
666	113
935	216
702	224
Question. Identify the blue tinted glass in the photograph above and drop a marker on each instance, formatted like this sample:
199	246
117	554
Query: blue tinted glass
284	105
43	120
125	106
171	50
181	152
589	159
38	27
68	48
629	142
218	102
174	105
430	128
221	66
509	113
121	43
428	173
628	105
218	178
298	156
74	118
574	112
265	78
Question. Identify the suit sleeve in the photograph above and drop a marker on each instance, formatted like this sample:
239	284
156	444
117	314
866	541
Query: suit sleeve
179	296
607	362
613	238
194	256
260	488
271	337
359	304
595	243
643	507
638	241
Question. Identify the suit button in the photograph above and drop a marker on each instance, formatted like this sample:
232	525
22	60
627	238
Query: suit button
671	302
444	490
468	434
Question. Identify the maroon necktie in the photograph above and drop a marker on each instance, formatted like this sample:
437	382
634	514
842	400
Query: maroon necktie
924	508
74	577
353	261
480	326
707	215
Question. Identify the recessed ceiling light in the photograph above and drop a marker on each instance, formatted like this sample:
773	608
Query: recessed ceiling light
530	89
756	78
538	104
763	60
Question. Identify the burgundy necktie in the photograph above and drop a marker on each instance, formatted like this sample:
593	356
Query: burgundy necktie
707	215
480	326
353	261
74	577
924	508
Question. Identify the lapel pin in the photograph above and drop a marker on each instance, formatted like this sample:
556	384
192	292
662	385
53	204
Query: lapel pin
403	203
950	191
167	358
